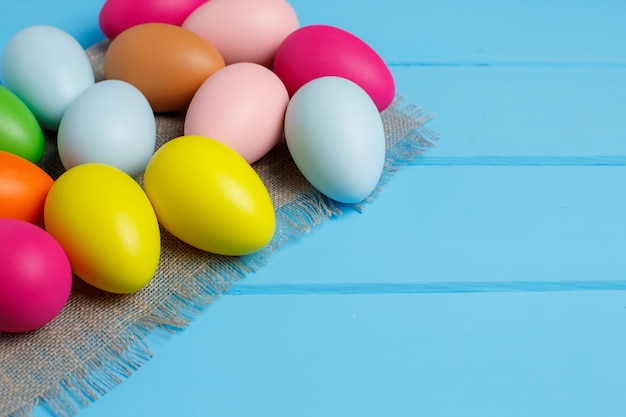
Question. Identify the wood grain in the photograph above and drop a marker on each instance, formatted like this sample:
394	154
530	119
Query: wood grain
487	280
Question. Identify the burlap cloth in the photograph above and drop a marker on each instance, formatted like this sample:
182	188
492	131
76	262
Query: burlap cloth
100	338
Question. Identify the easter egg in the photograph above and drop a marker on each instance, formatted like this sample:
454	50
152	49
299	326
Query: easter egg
118	15
321	50
23	189
20	132
47	69
36	277
205	194
106	225
335	135
165	62
112	123
242	105
244	30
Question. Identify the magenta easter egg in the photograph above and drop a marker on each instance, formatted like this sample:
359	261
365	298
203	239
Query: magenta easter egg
244	30
35	277
243	106
319	50
118	15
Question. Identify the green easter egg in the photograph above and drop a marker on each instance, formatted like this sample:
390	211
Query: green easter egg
20	133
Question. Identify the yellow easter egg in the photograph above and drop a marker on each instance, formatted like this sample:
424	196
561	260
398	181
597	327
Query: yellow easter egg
106	225
207	195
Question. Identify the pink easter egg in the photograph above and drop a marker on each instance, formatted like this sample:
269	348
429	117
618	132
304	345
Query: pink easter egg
243	106
319	50
118	15
244	30
35	276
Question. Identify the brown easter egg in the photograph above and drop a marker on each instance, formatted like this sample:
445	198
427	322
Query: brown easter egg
165	62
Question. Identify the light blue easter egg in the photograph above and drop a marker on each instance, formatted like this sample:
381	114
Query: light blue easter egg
47	69
111	123
335	135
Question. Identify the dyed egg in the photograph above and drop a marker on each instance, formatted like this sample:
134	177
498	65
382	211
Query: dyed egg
20	132
23	189
206	195
118	15
244	30
36	277
242	105
106	225
47	69
320	50
112	123
165	62
335	135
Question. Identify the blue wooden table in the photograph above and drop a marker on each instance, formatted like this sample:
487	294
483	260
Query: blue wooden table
487	280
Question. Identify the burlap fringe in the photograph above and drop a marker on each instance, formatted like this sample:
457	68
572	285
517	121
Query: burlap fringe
131	350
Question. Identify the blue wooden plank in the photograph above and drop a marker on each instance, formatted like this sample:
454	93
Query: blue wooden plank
79	18
402	355
451	32
540	115
444	32
442	228
520	110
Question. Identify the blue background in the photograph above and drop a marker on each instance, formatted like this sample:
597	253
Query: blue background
487	280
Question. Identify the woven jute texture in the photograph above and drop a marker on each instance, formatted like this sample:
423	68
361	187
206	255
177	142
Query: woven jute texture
99	339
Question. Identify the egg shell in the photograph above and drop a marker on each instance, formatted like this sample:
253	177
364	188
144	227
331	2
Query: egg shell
320	50
36	277
47	69
335	135
23	189
206	195
106	225
111	123
165	62
118	15
20	132
244	30
242	105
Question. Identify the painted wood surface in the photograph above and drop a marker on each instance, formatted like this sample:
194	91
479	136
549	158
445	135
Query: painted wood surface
487	280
